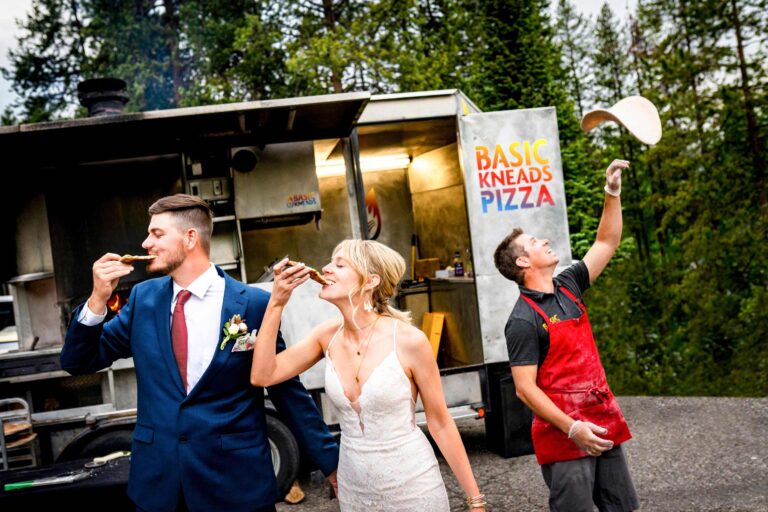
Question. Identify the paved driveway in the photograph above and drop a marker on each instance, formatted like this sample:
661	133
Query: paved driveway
688	454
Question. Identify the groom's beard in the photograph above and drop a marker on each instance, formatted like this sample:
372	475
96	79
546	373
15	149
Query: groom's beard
171	262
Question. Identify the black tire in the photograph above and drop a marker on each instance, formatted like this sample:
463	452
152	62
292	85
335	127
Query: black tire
98	444
285	454
283	446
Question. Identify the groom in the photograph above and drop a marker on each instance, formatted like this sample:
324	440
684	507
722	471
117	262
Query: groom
200	441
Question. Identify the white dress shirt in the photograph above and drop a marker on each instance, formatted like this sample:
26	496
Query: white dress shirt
203	315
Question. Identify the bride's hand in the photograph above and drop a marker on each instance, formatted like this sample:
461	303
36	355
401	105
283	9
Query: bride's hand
286	280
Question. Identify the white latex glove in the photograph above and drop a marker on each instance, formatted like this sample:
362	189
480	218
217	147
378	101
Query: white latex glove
583	434
613	177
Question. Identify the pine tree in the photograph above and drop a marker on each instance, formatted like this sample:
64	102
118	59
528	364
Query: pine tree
45	66
236	50
572	34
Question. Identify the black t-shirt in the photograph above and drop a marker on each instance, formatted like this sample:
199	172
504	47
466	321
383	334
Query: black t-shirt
526	331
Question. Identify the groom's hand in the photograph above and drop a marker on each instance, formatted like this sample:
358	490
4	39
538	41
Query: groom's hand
334	484
107	272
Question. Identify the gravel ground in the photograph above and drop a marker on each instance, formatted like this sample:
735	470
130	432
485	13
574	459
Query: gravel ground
688	454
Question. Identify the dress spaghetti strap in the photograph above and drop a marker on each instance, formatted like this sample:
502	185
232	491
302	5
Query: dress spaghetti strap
333	338
394	336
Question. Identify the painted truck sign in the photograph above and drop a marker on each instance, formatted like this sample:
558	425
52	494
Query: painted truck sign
513	177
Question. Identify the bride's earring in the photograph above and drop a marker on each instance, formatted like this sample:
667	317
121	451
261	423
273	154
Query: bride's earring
367	306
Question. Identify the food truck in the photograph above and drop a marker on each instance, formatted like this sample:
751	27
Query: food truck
425	173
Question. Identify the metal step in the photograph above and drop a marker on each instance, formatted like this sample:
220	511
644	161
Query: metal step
457	413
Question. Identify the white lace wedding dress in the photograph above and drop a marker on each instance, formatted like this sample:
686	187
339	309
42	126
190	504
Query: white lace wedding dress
385	463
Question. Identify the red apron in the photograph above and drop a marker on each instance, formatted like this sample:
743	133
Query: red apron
573	378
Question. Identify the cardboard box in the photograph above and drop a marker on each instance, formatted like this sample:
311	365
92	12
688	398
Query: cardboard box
432	326
426	267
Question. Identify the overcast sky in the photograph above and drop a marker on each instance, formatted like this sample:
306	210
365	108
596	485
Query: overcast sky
12	9
15	9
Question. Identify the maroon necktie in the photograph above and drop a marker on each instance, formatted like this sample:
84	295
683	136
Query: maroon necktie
179	334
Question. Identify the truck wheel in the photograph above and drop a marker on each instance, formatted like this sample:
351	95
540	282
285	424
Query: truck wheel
285	454
98	444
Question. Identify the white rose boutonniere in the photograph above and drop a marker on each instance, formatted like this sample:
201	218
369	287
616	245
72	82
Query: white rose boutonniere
234	328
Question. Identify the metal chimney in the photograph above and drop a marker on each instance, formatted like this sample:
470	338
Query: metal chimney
103	96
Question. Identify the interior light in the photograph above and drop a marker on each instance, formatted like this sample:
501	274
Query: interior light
336	166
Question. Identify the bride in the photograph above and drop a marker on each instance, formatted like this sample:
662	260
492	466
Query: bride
377	365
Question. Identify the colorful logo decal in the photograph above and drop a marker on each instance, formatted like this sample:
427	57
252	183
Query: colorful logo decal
297	200
513	177
374	215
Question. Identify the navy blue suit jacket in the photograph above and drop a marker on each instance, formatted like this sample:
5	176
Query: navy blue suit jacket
212	442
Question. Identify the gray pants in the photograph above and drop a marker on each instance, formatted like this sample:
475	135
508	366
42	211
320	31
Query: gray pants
575	484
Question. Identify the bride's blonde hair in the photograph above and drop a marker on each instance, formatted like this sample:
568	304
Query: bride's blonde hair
368	258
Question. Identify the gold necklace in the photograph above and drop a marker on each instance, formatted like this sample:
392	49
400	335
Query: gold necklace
365	353
358	329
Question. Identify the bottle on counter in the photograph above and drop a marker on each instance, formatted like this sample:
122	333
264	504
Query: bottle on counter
458	266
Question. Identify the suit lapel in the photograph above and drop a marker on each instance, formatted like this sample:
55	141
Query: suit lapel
163	319
235	303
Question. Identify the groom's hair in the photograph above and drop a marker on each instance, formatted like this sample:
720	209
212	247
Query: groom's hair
189	212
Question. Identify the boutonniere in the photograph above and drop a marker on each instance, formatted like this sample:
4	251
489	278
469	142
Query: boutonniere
234	328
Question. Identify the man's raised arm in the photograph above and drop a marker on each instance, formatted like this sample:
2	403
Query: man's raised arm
609	229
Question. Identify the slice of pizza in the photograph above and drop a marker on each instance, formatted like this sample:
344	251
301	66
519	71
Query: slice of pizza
313	274
130	258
